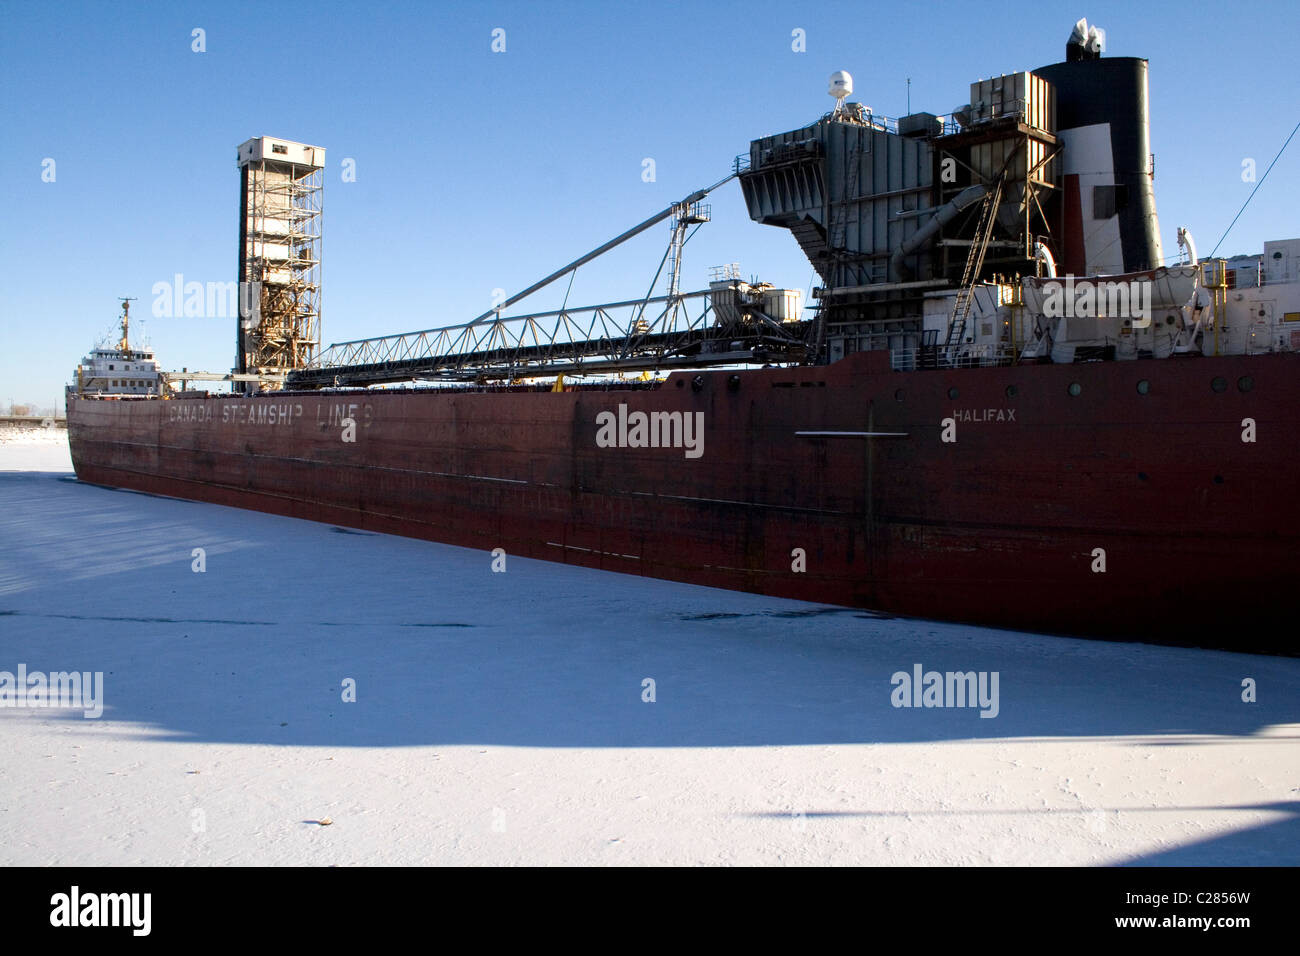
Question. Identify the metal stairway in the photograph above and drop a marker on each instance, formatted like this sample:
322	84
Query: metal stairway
974	263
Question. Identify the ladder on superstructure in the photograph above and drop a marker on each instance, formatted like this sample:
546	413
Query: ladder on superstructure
974	263
839	217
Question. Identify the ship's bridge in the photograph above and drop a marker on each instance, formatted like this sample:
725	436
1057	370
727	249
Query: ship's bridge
119	372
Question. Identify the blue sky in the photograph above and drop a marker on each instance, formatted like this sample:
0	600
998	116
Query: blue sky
478	170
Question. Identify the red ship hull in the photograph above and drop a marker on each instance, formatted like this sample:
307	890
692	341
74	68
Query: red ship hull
1112	512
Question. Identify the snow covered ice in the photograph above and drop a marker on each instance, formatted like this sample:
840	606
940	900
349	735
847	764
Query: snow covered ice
499	717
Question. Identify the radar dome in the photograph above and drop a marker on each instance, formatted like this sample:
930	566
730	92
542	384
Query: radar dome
841	85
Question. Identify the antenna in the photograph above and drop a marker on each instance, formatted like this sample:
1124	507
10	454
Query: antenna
909	96
841	86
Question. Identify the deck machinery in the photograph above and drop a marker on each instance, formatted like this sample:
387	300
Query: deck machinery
904	220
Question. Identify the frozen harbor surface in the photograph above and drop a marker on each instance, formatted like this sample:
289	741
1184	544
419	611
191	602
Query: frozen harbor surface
499	717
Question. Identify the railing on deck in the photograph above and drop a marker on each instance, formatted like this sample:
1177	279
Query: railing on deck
958	356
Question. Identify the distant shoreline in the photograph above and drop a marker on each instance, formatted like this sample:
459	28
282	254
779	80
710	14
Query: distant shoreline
32	421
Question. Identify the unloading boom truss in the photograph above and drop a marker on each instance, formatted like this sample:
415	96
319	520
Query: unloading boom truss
611	337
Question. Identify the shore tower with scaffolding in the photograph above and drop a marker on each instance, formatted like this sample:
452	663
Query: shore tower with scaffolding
279	323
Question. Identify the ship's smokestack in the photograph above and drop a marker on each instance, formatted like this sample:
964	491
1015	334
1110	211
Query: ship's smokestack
1109	211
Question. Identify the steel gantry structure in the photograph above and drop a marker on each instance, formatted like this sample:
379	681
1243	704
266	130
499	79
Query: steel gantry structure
726	324
611	337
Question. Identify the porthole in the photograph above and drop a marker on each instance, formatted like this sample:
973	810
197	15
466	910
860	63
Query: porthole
1075	388
1143	387
952	393
1219	383
1245	383
1218	479
1142	476
1011	391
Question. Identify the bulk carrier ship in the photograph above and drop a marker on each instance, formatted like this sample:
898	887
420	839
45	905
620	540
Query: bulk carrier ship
1006	409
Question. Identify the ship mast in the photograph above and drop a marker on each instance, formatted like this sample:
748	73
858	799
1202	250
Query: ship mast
124	345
